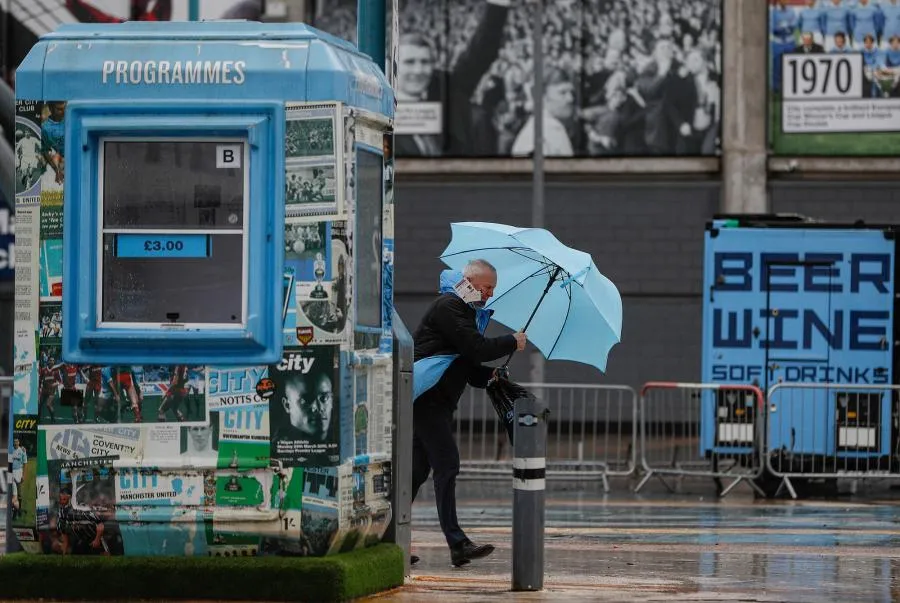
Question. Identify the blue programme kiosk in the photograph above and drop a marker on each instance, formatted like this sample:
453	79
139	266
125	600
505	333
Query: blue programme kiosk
203	335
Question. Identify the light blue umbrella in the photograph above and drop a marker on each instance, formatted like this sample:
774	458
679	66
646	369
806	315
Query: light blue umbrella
552	292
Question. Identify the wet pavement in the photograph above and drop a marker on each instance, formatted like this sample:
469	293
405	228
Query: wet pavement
665	547
660	546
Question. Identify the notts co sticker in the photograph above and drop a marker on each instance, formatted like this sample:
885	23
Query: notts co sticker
228	156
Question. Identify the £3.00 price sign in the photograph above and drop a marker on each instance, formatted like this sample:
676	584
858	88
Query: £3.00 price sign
163	246
157	245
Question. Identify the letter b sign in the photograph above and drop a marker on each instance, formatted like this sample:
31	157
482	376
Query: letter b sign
228	156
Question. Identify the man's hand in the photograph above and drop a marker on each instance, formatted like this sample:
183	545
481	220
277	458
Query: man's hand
521	340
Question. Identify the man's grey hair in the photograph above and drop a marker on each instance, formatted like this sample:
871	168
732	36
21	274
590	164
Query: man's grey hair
476	266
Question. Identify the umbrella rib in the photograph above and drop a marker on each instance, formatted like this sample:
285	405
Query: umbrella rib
516	250
568	310
513	249
535	273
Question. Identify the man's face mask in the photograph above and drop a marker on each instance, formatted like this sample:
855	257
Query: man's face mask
468	293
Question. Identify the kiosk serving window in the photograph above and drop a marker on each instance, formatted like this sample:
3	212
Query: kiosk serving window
174	233
369	199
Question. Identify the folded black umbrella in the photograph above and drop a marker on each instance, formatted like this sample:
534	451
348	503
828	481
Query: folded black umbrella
503	394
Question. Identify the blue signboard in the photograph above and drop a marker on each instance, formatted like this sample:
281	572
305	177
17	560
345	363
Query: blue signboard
165	246
800	305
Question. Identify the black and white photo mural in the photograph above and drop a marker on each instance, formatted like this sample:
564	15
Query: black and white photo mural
621	77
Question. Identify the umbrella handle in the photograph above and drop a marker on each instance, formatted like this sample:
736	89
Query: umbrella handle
533	312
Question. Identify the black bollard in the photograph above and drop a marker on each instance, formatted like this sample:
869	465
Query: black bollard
529	470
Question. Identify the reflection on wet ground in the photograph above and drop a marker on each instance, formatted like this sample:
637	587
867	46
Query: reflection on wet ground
665	547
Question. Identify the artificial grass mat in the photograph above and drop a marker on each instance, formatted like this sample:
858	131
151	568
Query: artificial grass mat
334	578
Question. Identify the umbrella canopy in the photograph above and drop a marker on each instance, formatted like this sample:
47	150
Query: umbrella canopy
569	310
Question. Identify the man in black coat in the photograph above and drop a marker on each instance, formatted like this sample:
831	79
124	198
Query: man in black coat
451	335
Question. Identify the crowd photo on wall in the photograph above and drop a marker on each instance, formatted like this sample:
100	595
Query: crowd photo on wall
621	77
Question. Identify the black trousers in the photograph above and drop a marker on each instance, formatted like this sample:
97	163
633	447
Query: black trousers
435	449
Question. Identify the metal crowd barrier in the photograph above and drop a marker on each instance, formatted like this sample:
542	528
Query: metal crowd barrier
832	431
592	433
701	430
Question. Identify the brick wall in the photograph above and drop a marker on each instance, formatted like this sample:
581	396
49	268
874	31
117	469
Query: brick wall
839	201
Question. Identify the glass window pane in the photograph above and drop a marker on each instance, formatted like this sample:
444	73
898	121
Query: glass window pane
368	229
179	289
172	184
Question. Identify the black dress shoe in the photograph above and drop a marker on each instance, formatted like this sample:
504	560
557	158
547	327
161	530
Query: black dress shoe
466	551
413	559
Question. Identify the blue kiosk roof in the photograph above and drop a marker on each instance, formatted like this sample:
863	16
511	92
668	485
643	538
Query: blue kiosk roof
201	60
